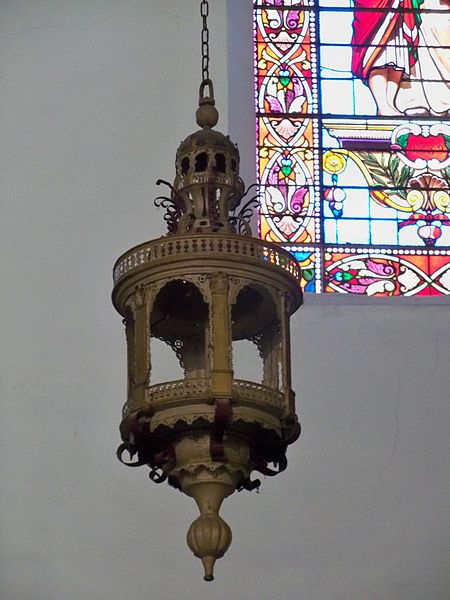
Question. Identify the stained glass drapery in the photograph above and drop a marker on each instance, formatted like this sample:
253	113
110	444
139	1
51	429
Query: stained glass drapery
353	137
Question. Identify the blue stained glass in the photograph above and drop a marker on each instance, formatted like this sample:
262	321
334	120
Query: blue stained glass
301	256
310	286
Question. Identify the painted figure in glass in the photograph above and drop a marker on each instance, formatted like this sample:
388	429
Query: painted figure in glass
402	52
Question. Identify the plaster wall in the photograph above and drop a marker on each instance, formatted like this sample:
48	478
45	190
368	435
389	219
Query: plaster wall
95	97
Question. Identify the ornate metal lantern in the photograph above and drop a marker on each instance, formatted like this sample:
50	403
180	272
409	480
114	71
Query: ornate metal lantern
204	285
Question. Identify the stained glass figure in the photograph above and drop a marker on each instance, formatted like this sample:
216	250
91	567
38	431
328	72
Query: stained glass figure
353	135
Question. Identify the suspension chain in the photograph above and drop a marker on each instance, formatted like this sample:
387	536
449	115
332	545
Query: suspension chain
204	11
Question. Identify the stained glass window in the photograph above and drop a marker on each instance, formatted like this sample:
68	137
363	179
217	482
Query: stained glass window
353	141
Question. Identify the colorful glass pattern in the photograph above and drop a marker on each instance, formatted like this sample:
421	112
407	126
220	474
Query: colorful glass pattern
353	141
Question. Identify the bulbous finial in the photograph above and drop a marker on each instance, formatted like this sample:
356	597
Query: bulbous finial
206	115
209	537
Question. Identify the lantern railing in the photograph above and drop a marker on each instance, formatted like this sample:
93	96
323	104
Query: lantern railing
206	244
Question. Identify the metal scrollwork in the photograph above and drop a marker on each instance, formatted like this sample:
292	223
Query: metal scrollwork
241	220
151	450
249	485
291	428
157	475
173	207
131	448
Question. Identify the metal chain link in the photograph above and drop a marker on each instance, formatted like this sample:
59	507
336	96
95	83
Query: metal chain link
204	11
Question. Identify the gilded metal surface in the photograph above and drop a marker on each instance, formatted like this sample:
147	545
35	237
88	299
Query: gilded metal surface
200	289
224	247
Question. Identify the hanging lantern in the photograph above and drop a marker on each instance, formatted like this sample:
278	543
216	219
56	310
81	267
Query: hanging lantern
206	284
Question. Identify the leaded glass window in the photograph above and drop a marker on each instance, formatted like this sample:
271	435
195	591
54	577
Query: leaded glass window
353	137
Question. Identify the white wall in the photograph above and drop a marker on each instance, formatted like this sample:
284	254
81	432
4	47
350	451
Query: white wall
95	97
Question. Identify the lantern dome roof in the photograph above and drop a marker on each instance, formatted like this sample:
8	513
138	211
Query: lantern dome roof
207	186
210	138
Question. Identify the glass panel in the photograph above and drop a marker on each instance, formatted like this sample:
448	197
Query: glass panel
353	102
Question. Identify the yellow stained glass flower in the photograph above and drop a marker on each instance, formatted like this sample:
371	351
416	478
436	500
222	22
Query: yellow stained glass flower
334	162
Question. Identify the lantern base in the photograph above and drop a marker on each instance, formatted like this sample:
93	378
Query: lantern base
209	482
